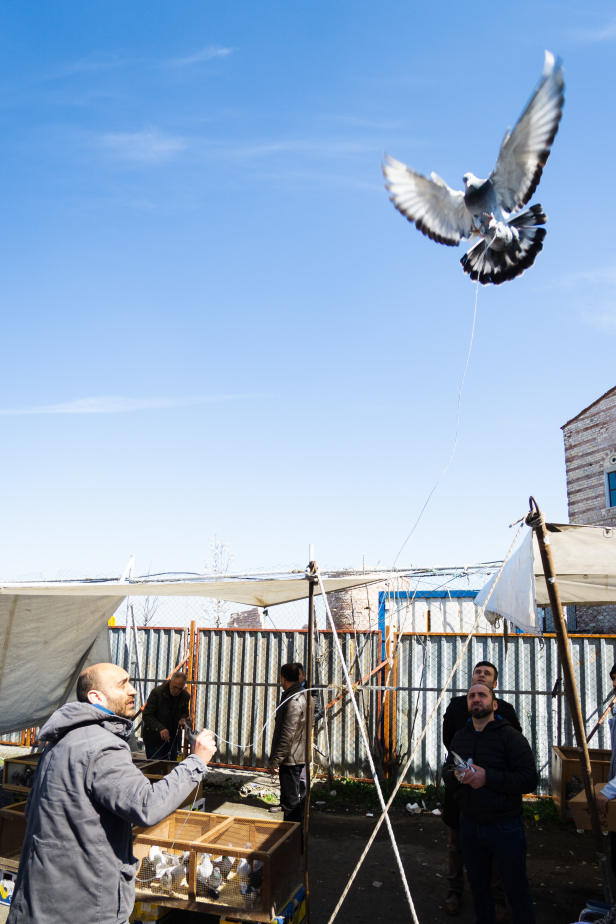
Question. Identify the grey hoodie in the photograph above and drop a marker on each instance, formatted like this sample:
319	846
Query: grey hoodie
77	862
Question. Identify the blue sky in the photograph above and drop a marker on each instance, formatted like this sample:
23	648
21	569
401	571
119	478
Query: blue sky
215	323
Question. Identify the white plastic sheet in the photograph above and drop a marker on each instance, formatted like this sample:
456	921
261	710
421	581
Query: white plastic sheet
585	567
42	643
513	597
46	630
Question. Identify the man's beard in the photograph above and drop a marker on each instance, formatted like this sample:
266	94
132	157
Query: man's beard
121	707
480	712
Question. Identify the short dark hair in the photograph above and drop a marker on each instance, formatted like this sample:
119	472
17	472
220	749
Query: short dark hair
300	667
487	664
491	691
613	672
87	680
290	672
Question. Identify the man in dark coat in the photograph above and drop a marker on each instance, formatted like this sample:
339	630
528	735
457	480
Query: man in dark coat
77	862
288	752
166	710
456	716
490	798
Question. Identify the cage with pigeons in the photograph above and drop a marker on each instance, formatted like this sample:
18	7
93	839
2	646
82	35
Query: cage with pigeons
219	863
18	773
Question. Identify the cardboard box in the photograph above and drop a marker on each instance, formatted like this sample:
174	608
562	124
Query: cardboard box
144	912
567	774
581	815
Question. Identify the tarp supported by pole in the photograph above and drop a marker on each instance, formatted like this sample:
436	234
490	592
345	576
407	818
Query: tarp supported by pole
585	564
47	628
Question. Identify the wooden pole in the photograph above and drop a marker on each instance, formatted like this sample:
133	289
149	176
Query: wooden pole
189	677
536	520
309	713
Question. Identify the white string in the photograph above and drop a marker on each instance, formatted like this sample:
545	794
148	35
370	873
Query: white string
368	754
421	737
455	442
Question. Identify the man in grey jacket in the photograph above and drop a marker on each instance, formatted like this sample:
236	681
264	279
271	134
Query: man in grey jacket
77	862
288	753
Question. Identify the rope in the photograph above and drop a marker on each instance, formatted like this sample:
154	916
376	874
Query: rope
369	755
455	442
421	737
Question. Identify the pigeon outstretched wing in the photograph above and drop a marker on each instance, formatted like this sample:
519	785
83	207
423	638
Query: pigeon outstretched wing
438	211
525	150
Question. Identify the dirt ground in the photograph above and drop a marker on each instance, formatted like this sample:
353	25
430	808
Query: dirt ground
561	865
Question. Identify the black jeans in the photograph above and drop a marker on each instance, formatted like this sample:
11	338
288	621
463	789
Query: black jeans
505	843
167	750
291	801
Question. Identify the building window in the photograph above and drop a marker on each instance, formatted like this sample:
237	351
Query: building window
611	488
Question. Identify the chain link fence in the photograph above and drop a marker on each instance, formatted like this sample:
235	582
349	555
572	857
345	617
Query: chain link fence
236	681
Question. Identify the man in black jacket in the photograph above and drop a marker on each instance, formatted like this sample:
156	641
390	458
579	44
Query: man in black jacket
288	753
456	716
490	798
167	708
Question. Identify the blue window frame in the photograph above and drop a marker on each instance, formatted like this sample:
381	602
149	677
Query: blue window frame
611	488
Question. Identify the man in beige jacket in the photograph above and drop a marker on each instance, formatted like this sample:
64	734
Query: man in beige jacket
288	752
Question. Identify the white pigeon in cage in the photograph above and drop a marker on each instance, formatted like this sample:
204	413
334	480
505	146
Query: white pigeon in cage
205	869
166	880
244	872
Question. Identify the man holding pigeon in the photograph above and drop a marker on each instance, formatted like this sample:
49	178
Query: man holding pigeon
500	769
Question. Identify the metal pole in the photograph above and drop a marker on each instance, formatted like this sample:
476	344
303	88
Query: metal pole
189	678
536	520
309	681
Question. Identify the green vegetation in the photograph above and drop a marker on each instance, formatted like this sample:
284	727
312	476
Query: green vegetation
351	794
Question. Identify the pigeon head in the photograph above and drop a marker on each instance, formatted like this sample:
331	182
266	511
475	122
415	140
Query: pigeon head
471	181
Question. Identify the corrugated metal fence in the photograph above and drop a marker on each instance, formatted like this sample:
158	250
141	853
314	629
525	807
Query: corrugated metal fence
529	677
237	688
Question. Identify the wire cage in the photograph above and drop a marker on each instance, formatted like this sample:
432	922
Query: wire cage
12	830
18	773
229	863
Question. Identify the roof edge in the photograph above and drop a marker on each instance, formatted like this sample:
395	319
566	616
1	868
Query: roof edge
608	392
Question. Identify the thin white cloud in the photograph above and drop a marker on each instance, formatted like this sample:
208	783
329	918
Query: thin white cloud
116	404
148	146
603	318
590	36
206	54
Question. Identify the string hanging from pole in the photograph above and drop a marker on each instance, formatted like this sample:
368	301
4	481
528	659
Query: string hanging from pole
384	815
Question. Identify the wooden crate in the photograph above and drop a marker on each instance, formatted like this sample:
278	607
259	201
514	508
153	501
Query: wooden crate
276	844
18	773
12	831
566	765
156	770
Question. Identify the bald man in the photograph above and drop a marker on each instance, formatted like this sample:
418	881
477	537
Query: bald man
77	861
490	798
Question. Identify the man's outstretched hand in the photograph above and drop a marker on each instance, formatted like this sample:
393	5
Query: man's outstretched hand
602	802
205	745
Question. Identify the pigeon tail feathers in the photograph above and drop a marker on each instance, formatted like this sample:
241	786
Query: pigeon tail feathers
483	263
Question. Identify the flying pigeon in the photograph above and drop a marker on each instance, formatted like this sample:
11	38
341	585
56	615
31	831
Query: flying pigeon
509	239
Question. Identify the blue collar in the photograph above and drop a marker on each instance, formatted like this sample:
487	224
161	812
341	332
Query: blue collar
102	708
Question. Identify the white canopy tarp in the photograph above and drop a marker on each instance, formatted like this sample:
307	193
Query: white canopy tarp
584	563
50	631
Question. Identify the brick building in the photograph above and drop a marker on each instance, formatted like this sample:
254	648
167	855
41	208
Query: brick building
590	460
